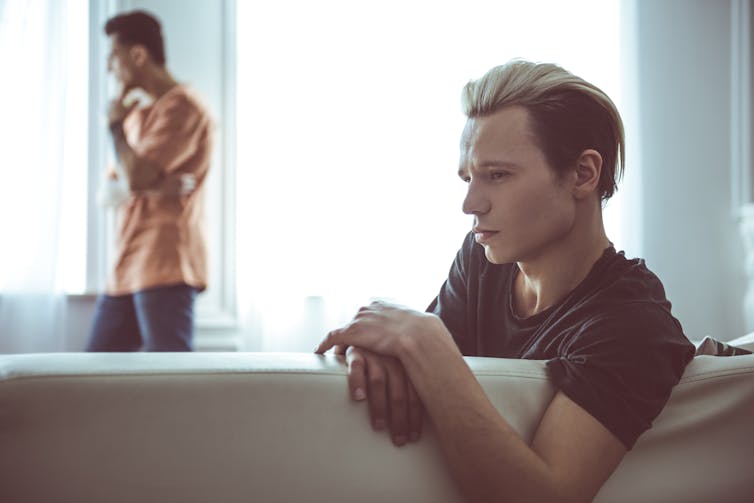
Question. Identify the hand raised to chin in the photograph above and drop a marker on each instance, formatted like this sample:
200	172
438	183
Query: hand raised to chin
118	110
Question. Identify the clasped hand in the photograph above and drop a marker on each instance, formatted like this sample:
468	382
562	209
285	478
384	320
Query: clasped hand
373	344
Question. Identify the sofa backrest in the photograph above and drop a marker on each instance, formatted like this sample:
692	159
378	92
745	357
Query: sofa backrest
277	427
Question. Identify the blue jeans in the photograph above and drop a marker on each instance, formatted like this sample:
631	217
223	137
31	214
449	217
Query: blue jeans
155	319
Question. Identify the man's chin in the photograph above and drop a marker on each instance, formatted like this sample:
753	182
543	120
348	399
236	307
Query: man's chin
495	256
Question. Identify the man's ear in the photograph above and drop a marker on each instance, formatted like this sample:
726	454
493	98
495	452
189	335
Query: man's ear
587	173
138	54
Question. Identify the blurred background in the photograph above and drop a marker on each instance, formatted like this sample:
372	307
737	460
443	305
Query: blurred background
334	174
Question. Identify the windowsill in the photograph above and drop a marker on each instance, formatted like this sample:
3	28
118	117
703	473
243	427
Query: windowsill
215	323
81	296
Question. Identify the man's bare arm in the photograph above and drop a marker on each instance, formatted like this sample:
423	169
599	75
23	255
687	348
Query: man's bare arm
140	174
571	455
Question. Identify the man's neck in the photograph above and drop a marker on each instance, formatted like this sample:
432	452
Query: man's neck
157	82
547	278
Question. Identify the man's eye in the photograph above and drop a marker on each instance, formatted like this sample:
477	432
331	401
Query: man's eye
498	175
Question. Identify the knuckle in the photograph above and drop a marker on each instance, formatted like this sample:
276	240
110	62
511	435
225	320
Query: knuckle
396	370
353	328
356	372
398	402
356	363
376	380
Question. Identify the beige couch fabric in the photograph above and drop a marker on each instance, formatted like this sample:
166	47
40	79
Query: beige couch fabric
276	427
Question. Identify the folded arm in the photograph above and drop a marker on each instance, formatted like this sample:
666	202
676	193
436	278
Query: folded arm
170	140
140	174
571	456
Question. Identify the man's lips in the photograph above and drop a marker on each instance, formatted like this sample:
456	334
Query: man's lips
483	235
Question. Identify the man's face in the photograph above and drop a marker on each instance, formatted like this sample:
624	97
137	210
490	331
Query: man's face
521	208
120	64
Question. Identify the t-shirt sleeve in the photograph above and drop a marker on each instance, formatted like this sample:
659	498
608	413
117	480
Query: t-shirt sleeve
174	135
451	303
622	367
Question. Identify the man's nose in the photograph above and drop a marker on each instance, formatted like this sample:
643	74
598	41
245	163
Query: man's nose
475	202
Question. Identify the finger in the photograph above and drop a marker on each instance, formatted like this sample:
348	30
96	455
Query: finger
333	338
337	337
415	413
124	90
397	401
376	392
340	349
356	373
130	107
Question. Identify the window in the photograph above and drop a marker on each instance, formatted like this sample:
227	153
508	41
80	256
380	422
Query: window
342	185
44	103
349	122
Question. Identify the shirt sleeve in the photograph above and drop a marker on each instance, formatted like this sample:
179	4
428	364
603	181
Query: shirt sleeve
621	368
173	136
451	303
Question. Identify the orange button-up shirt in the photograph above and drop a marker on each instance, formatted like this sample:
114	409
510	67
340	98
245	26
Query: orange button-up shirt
161	238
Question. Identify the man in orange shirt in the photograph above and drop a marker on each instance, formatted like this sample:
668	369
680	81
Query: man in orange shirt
161	261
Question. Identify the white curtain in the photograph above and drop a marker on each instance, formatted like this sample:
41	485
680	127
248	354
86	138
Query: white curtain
37	141
349	123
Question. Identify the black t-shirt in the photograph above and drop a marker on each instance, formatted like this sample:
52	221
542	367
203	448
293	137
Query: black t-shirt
611	345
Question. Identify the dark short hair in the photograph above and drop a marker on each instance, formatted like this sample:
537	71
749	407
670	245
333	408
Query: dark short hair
139	27
567	114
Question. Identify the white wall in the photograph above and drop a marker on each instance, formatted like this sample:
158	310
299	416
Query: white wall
689	236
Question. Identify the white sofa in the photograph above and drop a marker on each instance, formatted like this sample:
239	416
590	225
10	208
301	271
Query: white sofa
277	427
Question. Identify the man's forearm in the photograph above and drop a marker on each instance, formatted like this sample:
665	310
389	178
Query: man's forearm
571	455
488	458
140	175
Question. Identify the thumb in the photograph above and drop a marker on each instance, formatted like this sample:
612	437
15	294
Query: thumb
130	106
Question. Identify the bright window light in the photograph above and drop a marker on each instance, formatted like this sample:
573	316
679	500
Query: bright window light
73	255
349	127
44	98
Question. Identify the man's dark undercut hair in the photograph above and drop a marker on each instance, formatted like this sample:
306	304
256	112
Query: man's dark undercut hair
568	115
139	28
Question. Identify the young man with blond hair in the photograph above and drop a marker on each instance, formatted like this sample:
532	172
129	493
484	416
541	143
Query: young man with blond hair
536	278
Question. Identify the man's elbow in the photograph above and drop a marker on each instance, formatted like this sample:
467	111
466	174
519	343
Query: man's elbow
143	178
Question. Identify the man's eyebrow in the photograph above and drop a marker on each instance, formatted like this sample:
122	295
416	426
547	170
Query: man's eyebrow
489	163
497	163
